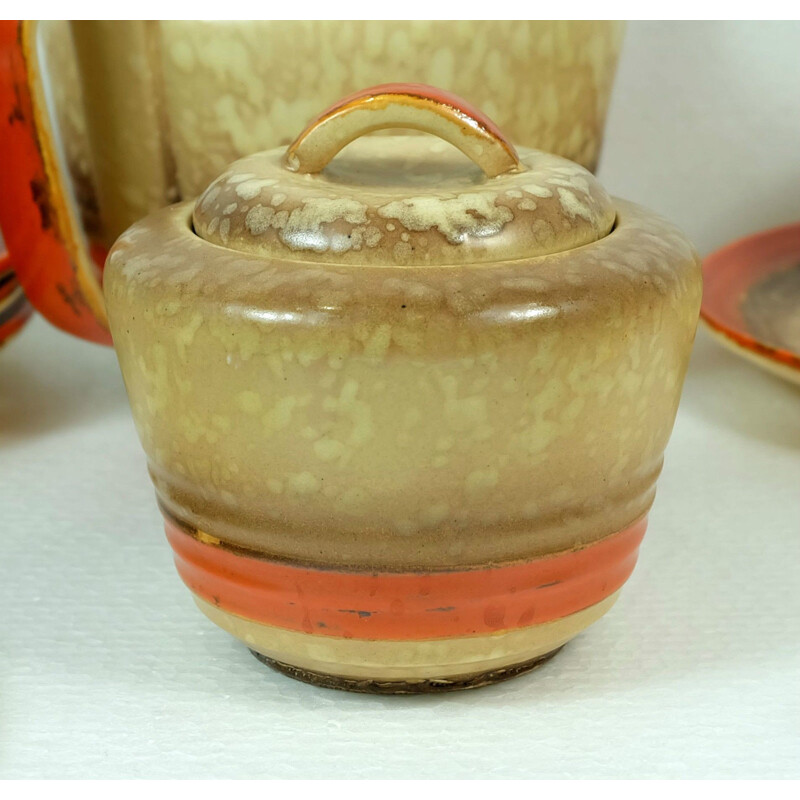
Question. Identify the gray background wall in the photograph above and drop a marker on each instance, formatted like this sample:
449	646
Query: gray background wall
704	125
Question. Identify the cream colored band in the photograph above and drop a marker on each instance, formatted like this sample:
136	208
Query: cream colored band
410	659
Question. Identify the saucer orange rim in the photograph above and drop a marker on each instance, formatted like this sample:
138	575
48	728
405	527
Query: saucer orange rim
730	272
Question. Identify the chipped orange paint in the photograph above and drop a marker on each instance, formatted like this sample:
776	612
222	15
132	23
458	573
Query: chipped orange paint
404	605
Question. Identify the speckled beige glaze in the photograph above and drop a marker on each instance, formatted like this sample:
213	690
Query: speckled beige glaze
417	416
228	89
119	64
58	60
437	208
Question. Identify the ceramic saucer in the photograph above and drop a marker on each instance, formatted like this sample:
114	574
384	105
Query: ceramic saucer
751	299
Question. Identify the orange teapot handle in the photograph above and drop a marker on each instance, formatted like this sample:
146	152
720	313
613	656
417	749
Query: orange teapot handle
42	233
403	105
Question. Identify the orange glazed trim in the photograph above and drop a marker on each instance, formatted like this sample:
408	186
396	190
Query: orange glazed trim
406	605
446	105
731	272
423	93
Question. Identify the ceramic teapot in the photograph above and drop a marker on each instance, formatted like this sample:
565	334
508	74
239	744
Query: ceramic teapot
103	122
404	407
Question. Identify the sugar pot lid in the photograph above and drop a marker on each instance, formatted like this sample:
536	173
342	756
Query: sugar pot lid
403	200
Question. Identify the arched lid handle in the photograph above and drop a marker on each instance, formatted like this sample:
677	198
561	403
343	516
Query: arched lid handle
403	105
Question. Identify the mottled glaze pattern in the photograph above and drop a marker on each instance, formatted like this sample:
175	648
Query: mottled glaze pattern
126	120
771	309
425	417
404	413
60	63
228	89
402	201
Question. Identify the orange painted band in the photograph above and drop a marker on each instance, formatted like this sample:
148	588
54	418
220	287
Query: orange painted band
407	605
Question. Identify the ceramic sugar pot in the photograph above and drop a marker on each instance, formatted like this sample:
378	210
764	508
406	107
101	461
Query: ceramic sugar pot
404	397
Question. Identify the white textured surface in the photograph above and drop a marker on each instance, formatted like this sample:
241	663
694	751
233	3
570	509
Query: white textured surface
108	670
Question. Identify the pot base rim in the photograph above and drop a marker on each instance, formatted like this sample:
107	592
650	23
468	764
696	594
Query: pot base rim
397	687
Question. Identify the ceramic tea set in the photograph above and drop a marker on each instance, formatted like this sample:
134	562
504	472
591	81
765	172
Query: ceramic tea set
404	396
92	142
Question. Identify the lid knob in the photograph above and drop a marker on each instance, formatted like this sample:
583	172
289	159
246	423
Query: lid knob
403	105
